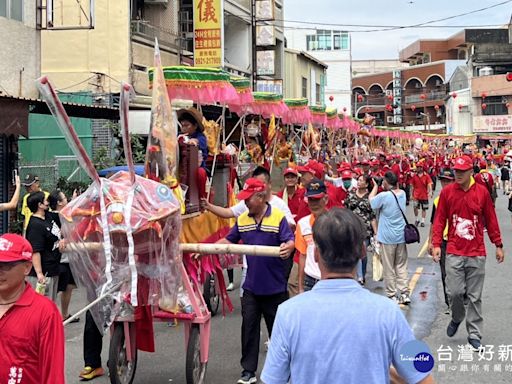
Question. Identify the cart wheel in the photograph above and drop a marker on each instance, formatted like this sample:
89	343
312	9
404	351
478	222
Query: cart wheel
121	370
195	370
211	297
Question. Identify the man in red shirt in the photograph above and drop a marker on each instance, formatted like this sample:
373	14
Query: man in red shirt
467	207
292	194
421	190
32	334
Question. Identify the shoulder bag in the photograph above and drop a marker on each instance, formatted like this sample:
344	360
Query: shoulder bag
411	233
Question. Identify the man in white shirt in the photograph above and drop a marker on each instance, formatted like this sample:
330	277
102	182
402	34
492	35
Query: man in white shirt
309	272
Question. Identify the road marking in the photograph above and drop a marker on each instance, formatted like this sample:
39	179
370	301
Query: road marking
414	279
413	282
423	249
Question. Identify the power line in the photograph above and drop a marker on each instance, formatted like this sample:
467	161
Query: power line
380	28
74	85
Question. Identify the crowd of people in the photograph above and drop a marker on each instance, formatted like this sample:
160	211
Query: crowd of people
325	221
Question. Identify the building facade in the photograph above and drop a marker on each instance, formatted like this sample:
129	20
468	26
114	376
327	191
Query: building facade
303	76
418	93
334	49
19	66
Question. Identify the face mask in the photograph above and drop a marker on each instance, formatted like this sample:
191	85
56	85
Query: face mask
347	183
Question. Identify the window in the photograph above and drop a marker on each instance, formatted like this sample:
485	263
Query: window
318	94
495	106
304	87
12	9
321	41
340	40
3	8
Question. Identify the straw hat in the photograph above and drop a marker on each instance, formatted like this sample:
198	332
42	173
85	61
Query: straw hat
185	114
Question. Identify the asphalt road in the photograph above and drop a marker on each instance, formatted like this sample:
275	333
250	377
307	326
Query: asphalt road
425	315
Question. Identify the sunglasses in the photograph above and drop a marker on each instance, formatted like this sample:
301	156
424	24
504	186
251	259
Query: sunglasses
7	266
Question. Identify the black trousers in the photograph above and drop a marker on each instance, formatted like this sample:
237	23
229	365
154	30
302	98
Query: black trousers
442	264
253	307
93	342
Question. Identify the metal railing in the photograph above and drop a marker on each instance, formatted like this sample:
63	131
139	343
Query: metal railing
147	31
429	95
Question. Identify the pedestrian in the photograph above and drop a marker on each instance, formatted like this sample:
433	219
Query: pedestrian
505	177
236	210
325	336
44	236
446	177
265	285
66	284
32	184
359	203
13	203
390	234
32	346
292	195
309	273
467	206
421	191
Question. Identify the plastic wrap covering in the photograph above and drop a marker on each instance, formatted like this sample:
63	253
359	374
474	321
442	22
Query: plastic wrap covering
125	235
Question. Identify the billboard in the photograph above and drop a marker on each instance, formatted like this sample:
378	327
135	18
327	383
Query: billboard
208	33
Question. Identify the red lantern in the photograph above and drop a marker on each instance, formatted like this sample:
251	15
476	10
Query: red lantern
359	98
436	107
460	107
454	95
484	106
331	98
390	97
344	109
423	96
413	108
484	95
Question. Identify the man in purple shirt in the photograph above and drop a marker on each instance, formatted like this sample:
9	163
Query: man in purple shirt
265	286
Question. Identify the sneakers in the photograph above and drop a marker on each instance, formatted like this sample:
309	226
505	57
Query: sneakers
422	224
447	310
405	299
416	223
247	378
230	287
89	373
452	328
475	344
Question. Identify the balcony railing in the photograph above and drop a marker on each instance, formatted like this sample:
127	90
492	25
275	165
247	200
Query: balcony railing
429	95
147	31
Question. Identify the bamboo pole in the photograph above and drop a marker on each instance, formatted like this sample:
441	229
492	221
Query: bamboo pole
201	248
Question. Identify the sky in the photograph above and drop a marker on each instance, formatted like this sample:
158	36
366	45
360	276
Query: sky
386	45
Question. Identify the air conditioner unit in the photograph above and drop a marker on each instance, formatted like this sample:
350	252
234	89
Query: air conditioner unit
389	119
389	92
156	2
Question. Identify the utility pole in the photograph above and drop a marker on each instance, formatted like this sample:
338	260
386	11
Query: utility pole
253	38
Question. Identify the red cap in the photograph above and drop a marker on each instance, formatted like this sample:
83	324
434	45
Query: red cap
290	170
344	166
463	163
365	162
251	187
14	248
375	163
346	175
306	168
